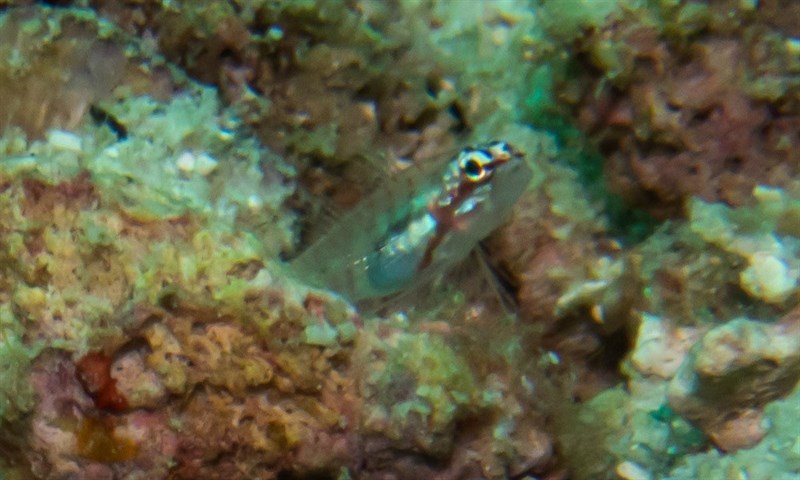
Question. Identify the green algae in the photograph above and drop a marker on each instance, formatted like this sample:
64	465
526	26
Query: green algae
614	428
72	269
187	171
764	236
776	456
16	355
186	157
422	382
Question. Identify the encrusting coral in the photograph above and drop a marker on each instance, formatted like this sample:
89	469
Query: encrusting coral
149	326
155	330
692	98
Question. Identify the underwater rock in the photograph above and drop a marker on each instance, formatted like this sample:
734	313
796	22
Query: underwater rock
55	69
661	348
732	372
763	235
686	98
776	456
141	241
149	326
71	437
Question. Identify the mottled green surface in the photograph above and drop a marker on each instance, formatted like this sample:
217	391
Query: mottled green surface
168	242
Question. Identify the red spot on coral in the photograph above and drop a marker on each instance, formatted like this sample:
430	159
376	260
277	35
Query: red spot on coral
94	373
315	305
79	187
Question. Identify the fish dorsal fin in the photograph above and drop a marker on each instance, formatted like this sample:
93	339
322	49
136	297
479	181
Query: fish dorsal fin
326	194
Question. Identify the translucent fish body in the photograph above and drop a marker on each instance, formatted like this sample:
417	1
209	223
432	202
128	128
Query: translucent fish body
421	222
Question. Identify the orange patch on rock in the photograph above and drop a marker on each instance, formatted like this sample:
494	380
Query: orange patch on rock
94	373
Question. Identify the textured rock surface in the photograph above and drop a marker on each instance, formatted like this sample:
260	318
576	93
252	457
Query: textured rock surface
149	328
732	372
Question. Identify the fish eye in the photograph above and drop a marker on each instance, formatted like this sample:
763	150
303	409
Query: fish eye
472	168
475	165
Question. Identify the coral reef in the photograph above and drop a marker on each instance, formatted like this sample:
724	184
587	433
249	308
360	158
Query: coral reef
734	370
687	98
637	318
696	317
775	456
155	332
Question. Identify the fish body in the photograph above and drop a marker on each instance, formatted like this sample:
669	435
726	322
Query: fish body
421	222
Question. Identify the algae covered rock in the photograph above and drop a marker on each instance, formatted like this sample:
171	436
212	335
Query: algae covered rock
775	456
16	394
685	98
422	389
150	328
732	372
56	66
764	235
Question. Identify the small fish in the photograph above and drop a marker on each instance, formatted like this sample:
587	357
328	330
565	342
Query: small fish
422	222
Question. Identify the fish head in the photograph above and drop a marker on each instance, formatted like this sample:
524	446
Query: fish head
482	186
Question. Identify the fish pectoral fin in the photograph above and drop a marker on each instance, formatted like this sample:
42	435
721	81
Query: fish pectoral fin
496	281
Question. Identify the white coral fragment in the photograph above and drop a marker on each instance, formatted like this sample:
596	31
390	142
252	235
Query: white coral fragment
660	349
62	140
768	278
